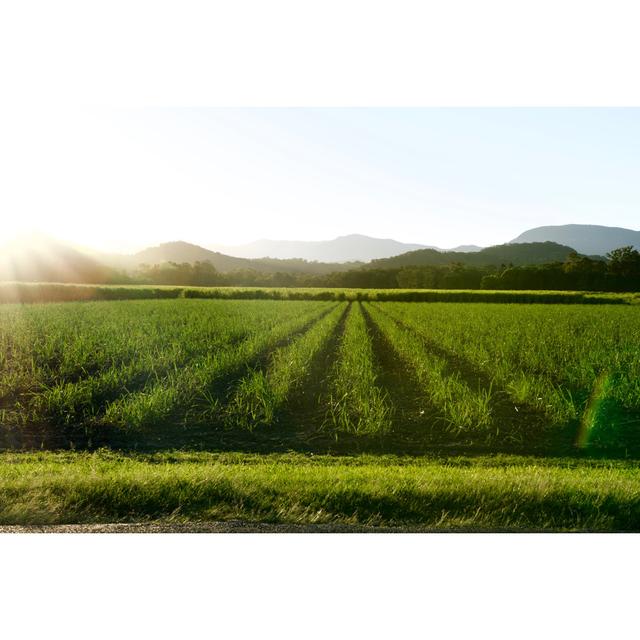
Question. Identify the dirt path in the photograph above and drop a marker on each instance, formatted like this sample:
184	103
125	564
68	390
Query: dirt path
232	526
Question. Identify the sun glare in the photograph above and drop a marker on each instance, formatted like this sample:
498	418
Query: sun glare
31	255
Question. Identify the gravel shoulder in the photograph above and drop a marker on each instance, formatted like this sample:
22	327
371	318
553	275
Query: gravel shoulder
232	526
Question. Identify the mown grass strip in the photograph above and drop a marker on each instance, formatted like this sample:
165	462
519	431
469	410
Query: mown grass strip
262	393
357	405
516	494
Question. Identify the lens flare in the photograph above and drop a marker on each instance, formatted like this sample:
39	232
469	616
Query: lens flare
593	413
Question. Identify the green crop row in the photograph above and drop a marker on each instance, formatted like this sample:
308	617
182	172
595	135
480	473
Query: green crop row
461	407
260	394
192	394
129	363
96	367
402	372
551	360
357	405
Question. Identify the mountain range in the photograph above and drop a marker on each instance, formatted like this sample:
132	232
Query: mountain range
350	248
594	240
588	239
347	252
181	252
515	254
44	259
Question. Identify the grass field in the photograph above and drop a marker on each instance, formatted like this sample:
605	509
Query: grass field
377	385
507	493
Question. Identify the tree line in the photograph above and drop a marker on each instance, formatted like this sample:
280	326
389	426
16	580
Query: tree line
620	271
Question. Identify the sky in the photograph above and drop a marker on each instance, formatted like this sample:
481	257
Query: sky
123	179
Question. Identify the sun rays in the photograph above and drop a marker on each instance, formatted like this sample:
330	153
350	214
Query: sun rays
39	258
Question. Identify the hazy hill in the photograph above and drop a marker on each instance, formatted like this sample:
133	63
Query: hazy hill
185	252
43	259
516	254
588	239
38	258
349	248
465	248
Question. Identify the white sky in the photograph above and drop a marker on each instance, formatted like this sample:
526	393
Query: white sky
119	180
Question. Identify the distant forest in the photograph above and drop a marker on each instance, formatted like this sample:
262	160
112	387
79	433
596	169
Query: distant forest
619	272
541	265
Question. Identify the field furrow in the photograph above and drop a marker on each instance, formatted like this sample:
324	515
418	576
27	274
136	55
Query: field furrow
413	417
195	393
261	395
386	375
547	362
53	349
459	407
528	390
357	404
